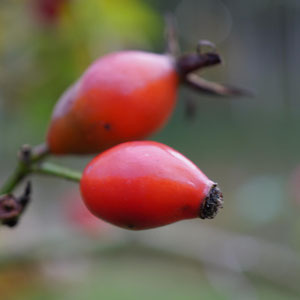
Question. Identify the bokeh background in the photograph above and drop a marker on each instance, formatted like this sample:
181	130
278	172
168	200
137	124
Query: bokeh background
250	146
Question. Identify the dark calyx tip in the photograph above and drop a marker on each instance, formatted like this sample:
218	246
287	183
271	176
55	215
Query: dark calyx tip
212	203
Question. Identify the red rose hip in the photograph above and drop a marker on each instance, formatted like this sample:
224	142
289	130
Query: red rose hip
125	96
121	97
142	185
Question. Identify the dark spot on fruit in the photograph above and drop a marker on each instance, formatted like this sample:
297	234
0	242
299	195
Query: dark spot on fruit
107	126
186	208
130	226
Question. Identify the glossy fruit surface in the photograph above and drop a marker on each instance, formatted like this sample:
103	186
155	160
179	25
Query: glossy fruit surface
121	97
141	185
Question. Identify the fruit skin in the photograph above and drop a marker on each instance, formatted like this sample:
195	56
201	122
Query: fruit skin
141	185
121	97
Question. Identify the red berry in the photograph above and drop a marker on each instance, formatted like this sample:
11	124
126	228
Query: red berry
121	97
141	185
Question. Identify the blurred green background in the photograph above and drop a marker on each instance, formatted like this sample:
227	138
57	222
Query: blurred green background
249	146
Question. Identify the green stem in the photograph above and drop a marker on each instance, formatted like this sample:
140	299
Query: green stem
30	162
23	168
51	169
20	172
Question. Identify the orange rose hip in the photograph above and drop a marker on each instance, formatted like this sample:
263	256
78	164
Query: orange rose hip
142	185
121	97
125	96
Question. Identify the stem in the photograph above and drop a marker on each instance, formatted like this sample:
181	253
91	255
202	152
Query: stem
11	207
19	174
27	157
30	162
51	169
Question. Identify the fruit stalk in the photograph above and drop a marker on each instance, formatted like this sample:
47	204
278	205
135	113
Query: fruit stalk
26	157
30	161
12	207
51	169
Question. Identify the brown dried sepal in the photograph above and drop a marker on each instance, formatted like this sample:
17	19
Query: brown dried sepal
212	203
191	62
11	207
